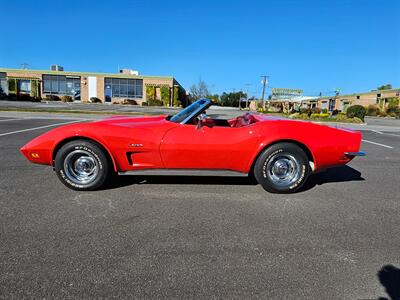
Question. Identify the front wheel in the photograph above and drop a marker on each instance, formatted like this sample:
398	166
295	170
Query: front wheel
82	165
282	168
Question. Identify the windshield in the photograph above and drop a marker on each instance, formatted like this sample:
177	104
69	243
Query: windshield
191	111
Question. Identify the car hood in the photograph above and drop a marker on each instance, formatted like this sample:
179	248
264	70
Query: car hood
133	121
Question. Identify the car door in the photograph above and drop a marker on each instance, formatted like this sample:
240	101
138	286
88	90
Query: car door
224	148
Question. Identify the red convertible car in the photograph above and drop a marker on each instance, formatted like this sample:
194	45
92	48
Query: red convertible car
280	153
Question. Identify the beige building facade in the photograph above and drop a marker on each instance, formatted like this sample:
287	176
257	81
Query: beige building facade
84	86
341	102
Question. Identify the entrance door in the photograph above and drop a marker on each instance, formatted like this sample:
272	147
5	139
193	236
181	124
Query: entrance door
222	148
107	93
92	86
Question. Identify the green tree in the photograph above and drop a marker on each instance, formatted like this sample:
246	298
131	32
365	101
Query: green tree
214	98
231	99
385	87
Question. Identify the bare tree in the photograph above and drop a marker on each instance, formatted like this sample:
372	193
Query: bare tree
199	90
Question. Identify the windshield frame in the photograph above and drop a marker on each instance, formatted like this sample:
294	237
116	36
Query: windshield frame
197	110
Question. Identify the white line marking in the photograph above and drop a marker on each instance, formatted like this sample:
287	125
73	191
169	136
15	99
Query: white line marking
382	145
9	120
392	134
36	128
377	131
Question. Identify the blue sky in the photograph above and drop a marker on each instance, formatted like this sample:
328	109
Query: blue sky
314	45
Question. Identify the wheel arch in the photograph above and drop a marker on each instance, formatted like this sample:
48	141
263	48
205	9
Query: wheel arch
305	148
74	138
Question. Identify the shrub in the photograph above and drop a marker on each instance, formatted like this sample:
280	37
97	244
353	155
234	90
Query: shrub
94	100
373	110
306	111
66	98
275	106
144	103
383	113
52	98
303	116
316	110
24	97
357	120
393	111
393	102
340	117
36	99
335	112
325	111
128	102
358	111
319	116
154	102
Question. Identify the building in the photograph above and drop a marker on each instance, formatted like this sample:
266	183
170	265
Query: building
82	86
289	99
374	97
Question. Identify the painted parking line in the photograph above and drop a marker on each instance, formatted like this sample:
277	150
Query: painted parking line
376	131
13	119
40	127
378	144
385	133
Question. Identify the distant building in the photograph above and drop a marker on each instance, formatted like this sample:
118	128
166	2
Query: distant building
293	99
341	102
81	86
290	99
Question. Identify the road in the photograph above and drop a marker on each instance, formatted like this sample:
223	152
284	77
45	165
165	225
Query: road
190	237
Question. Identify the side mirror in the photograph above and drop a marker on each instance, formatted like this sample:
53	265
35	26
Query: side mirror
200	123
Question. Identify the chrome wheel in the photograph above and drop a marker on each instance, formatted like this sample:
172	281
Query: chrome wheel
81	167
283	169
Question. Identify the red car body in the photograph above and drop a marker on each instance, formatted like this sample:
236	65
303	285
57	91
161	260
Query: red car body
140	143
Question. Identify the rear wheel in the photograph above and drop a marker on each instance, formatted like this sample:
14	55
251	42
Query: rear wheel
282	168
82	165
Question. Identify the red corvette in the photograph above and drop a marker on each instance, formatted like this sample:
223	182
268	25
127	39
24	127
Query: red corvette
280	153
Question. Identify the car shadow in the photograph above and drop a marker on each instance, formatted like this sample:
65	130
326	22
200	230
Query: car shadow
389	277
338	174
121	181
332	175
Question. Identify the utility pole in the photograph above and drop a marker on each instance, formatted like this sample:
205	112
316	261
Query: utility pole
264	82
247	94
24	66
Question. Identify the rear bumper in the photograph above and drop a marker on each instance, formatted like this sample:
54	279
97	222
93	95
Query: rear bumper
353	154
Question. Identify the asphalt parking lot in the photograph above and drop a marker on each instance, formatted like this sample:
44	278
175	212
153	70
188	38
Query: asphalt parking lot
190	237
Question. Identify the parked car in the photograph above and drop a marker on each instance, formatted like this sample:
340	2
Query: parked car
280	153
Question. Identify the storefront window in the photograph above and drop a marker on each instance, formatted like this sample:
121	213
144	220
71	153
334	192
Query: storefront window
24	86
123	87
3	83
62	85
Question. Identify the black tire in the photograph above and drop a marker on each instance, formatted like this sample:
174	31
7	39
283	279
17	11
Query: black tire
82	165
282	168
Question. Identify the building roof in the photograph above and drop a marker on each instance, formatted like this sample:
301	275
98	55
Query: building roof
50	72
